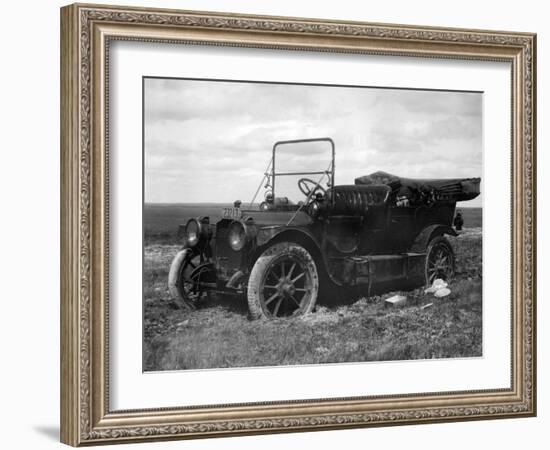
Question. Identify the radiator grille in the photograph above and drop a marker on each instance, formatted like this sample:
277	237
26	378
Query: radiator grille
227	260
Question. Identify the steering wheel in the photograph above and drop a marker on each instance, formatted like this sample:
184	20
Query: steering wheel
303	185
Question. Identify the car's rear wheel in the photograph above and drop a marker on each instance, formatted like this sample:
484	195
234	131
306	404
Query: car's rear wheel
284	282
184	278
440	260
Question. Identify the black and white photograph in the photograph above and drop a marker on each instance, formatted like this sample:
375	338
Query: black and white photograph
281	219
292	224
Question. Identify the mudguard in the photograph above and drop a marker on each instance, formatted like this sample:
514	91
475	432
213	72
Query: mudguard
427	234
271	235
267	234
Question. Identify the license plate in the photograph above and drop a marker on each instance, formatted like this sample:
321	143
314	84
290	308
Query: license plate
231	213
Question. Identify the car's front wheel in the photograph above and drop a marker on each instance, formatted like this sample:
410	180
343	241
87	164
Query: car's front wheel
184	279
284	282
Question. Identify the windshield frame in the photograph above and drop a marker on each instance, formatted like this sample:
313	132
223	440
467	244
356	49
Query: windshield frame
329	172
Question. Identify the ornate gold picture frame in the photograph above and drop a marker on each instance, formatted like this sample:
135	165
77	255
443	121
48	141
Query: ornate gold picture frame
87	31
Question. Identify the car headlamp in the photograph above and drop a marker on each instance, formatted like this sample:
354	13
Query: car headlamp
239	236
194	232
314	208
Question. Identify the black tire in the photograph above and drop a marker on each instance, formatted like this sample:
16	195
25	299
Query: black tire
440	261
182	288
284	282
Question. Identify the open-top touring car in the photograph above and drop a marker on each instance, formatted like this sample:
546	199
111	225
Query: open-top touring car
283	254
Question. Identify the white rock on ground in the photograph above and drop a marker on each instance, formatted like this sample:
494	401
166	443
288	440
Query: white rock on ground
396	300
442	292
437	284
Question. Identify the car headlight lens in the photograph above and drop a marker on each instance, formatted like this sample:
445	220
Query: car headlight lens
193	231
314	209
238	236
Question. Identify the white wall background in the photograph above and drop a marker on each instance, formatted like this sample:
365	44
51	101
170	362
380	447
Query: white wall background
29	225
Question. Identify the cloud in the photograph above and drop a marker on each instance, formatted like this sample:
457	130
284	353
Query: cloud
211	140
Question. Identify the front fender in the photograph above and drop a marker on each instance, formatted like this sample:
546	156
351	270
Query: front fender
303	237
267	234
427	234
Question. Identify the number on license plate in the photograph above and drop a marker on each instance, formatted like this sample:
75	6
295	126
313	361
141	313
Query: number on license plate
231	213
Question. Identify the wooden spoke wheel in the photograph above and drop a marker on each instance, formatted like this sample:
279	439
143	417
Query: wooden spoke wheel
184	278
440	260
283	283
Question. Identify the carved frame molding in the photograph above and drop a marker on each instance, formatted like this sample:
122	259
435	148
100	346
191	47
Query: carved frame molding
86	31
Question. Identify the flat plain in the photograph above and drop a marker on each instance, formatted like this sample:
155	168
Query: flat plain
354	329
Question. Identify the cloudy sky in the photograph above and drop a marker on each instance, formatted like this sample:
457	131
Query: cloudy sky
210	141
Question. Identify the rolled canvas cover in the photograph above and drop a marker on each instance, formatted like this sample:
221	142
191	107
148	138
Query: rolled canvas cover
445	189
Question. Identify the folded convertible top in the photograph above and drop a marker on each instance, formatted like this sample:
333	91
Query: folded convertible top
439	189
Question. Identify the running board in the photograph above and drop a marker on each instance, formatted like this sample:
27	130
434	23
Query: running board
369	269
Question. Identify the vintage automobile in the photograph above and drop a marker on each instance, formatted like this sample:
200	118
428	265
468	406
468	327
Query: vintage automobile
282	255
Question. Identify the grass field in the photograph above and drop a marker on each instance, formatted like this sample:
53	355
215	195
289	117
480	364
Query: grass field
359	329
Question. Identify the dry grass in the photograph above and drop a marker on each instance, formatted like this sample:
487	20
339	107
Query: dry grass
220	334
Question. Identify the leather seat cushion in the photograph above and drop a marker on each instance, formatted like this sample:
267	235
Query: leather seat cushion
355	200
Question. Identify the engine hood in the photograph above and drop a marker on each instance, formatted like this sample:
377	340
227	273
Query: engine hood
277	218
